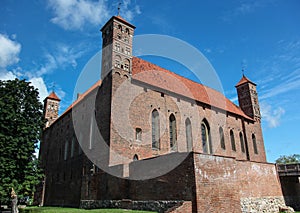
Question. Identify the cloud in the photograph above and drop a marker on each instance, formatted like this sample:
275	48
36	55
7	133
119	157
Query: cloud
270	115
62	57
74	14
38	82
7	75
77	14
244	8
9	51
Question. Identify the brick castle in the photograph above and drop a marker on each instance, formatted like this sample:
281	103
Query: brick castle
144	137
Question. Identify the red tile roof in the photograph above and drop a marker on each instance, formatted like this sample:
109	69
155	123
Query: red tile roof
52	96
159	77
244	80
82	96
156	76
119	18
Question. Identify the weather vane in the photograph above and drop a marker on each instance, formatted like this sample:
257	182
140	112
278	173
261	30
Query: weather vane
119	7
243	67
52	87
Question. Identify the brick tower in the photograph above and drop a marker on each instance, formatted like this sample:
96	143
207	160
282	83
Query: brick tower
51	107
247	96
117	36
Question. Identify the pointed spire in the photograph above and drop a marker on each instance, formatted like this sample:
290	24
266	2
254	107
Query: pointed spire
53	96
244	80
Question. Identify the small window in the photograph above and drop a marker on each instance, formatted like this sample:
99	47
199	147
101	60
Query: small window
127	51
138	134
126	67
118	63
135	158
242	142
254	144
222	140
127	31
232	141
117	47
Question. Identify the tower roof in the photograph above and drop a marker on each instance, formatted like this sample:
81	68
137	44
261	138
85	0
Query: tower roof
119	18
244	80
52	96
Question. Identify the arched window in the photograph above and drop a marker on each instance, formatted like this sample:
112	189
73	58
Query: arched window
254	144
232	141
135	158
126	64
173	132
242	142
188	133
205	136
155	129
118	61
222	140
127	31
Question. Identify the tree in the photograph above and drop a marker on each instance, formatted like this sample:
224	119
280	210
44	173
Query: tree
21	123
284	159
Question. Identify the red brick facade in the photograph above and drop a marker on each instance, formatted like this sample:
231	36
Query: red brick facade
209	155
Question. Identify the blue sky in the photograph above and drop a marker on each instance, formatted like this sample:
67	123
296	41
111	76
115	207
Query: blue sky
49	43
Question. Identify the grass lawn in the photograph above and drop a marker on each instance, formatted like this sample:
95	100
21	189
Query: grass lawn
71	210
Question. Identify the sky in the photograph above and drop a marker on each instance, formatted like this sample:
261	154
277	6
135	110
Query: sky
49	43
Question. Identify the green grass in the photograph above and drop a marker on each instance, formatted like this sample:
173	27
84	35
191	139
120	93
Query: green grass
71	210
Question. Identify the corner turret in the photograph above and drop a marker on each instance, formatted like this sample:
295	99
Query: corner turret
248	99
51	107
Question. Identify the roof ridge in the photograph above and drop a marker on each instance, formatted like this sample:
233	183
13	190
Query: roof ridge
211	100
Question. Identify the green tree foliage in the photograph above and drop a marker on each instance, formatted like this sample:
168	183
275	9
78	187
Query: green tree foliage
21	123
284	159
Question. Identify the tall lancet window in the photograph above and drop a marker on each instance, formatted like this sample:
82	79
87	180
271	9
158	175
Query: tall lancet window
173	132
232	141
222	139
254	144
205	136
242	142
189	136
155	129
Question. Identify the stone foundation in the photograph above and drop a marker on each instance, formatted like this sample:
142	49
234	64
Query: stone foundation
262	205
151	205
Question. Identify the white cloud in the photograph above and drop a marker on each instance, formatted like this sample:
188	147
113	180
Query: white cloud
63	57
7	75
270	115
39	83
9	51
244	8
74	14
